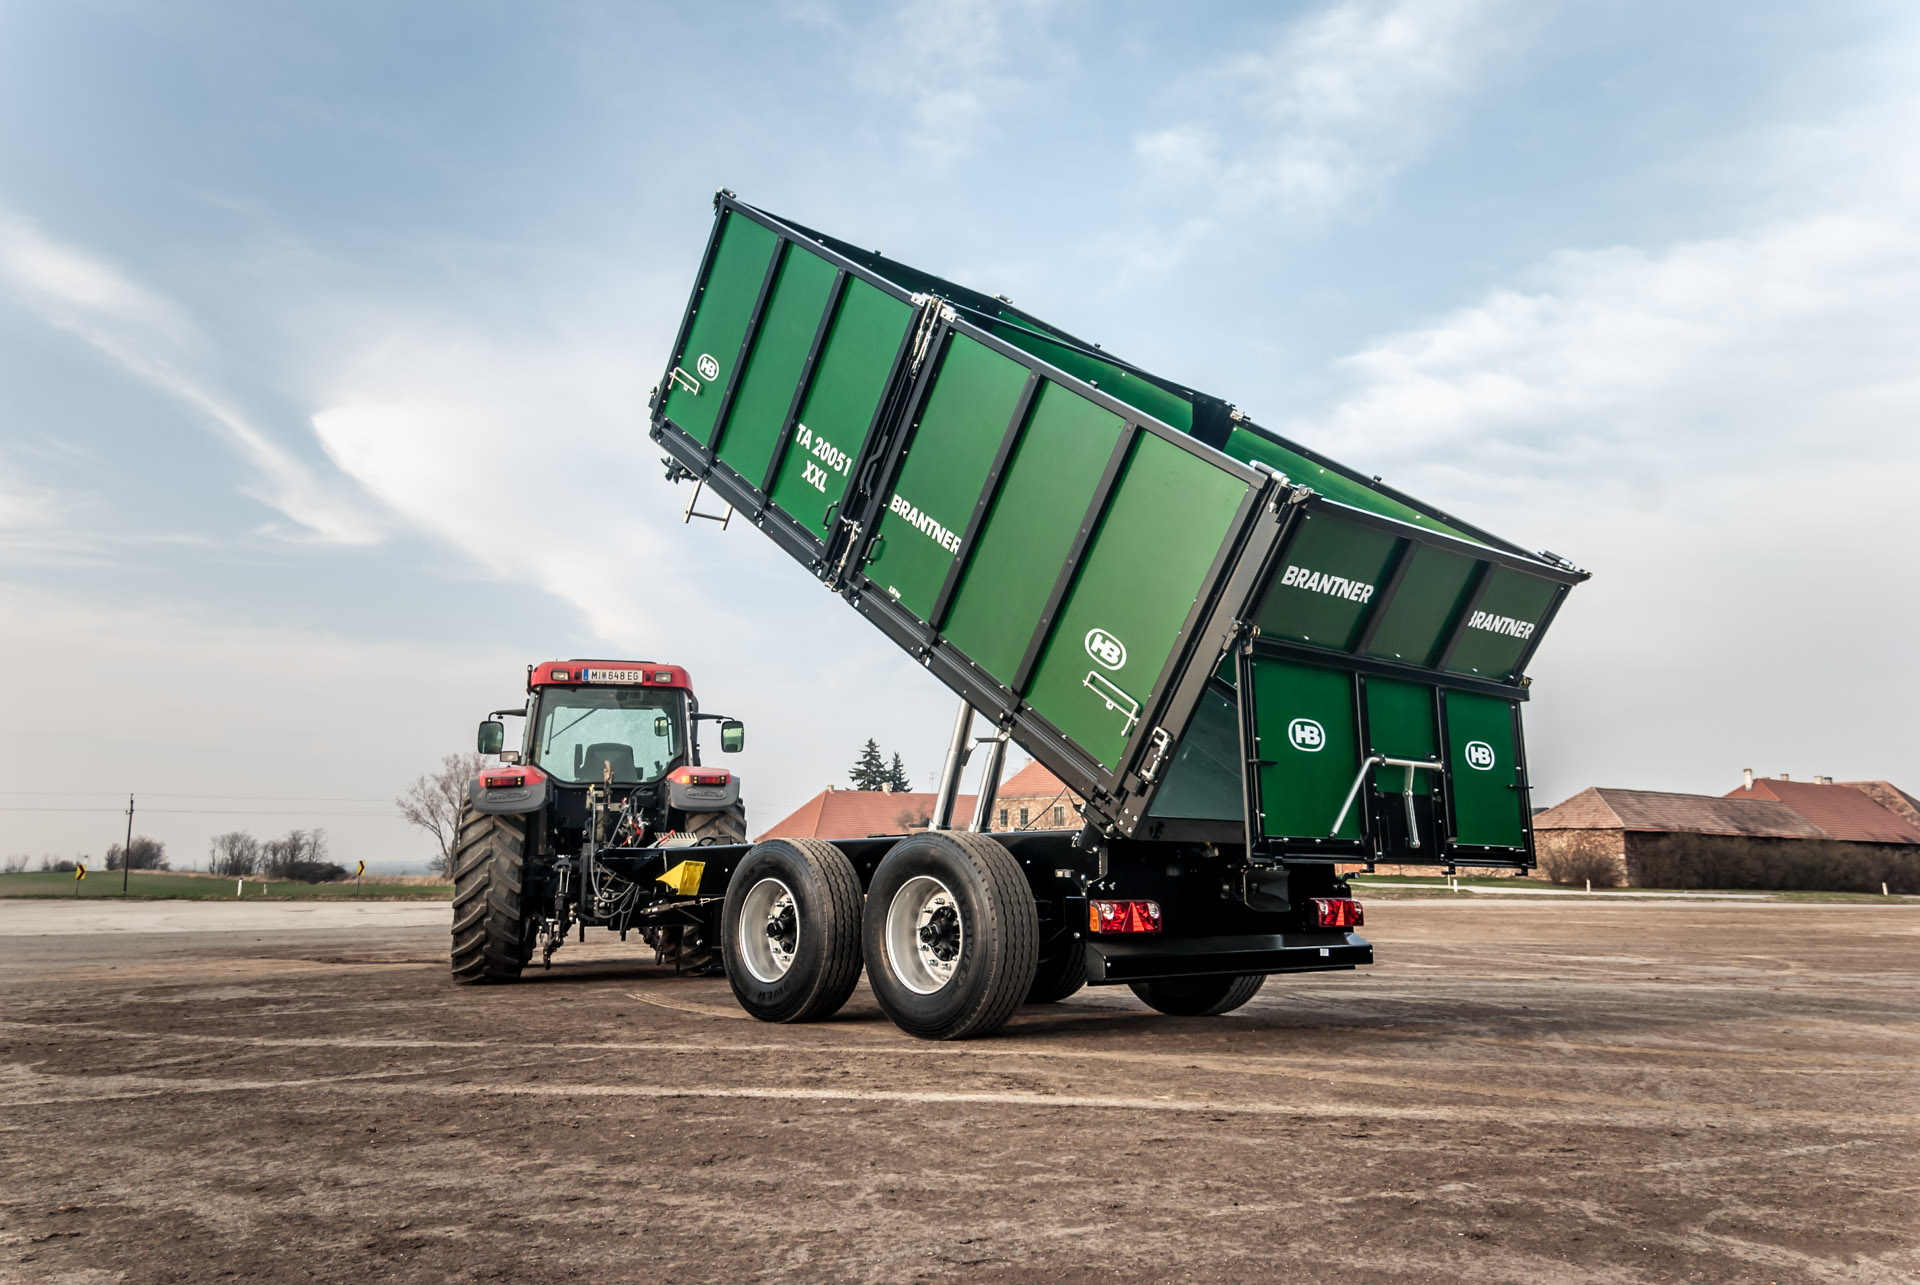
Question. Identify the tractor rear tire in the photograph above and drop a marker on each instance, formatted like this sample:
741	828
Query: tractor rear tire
710	828
491	937
1199	996
1060	975
790	930
952	935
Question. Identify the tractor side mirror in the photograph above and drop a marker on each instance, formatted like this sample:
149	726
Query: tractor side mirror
733	736
663	727
493	734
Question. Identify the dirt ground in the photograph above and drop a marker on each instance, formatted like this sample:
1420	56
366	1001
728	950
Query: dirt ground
1570	1091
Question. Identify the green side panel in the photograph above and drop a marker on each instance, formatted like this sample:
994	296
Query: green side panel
966	416
1502	624
848	382
1044	493
1327	582
1309	749
724	302
787	327
1401	725
1415	625
1203	781
1168	515
1248	446
1483	766
1114	381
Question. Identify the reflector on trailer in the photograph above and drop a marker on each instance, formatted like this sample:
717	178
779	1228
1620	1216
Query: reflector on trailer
1123	916
1338	912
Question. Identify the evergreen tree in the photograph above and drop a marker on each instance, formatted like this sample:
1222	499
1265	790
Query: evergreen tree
870	770
897	776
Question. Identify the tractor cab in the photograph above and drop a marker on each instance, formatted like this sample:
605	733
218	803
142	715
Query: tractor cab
623	731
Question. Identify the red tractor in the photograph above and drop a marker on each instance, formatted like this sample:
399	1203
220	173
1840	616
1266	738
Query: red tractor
604	816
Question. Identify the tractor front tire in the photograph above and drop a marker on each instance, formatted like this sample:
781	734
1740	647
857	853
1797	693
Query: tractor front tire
491	941
1199	996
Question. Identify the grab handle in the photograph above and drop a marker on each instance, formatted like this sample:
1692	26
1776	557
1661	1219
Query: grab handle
1360	778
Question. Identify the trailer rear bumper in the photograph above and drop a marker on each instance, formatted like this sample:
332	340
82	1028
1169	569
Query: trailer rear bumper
1140	961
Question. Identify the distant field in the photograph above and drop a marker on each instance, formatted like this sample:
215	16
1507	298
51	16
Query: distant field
1390	886
164	885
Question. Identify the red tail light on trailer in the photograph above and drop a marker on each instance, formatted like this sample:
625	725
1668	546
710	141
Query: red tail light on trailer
1123	916
1338	912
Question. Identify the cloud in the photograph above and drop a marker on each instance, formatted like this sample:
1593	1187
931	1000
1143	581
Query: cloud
952	63
1724	428
1341	99
152	340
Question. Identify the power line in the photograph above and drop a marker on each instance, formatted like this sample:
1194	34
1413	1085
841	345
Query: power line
218	812
304	798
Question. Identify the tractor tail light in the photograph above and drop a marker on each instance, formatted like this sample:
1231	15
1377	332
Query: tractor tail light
502	780
700	776
1123	916
1338	912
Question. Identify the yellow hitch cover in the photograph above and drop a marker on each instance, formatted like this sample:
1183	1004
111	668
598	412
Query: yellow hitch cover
685	877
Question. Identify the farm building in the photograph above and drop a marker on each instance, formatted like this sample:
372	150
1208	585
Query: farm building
1769	833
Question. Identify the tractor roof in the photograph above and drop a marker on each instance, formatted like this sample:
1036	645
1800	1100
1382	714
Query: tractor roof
629	673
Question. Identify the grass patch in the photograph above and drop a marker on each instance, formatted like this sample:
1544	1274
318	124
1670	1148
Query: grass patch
161	885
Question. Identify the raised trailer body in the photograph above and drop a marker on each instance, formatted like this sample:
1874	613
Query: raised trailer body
1209	632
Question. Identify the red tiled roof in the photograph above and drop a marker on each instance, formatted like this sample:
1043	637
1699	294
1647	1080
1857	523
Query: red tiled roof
1842	811
1891	797
1035	782
1598	808
856	814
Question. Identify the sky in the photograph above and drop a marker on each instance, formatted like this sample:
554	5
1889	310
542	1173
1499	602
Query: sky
326	334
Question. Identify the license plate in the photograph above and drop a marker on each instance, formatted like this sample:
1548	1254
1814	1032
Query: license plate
613	675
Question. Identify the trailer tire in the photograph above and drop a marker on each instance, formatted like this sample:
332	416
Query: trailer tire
808	890
1059	975
492	937
972	973
727	826
1199	996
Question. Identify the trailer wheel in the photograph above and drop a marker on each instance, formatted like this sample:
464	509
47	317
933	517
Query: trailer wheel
1059	975
952	936
790	930
492	938
1199	996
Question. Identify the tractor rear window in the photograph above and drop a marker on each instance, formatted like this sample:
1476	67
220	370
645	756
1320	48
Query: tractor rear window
581	730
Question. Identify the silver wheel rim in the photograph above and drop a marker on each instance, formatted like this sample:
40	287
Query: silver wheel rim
925	935
768	936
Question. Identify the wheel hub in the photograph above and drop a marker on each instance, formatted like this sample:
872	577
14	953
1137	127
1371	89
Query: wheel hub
768	938
925	935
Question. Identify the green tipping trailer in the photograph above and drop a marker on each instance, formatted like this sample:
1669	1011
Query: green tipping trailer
1235	650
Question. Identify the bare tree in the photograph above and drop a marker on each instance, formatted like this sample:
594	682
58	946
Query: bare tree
16	863
235	853
433	802
148	854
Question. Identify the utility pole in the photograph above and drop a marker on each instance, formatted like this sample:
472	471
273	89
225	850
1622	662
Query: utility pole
126	853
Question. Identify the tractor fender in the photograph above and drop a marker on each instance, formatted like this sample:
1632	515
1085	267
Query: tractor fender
702	795
496	799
